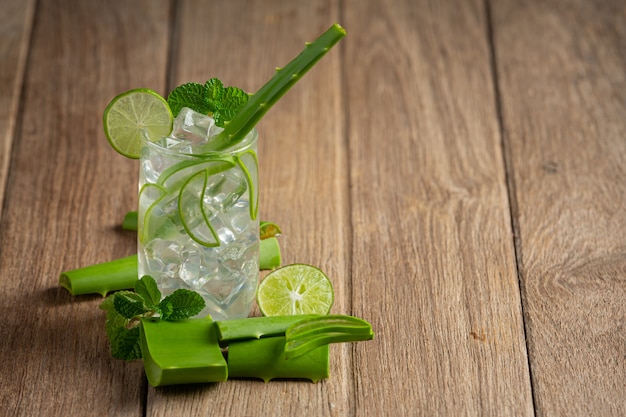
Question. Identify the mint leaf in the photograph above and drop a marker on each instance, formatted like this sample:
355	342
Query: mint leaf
232	101
126	344
125	309
114	320
190	95
147	288
129	304
123	337
181	304
212	98
213	93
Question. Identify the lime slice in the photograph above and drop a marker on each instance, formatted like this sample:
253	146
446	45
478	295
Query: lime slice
295	289
133	114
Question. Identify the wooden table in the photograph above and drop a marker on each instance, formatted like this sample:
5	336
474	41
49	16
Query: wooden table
458	168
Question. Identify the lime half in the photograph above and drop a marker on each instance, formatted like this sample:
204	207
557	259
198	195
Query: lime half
134	114
295	289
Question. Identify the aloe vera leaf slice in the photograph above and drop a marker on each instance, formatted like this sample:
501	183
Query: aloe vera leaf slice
196	222
101	278
174	176
269	254
149	192
269	229
181	352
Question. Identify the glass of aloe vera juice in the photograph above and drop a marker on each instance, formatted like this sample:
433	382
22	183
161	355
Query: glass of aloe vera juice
198	225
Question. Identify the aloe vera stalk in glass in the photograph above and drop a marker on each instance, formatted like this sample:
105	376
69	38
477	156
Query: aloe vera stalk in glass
198	226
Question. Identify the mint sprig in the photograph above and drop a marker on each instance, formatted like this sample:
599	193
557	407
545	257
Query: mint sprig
125	309
212	98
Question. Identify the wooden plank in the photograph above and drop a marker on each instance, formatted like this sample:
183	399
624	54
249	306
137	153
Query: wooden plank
563	82
303	177
433	257
65	198
16	27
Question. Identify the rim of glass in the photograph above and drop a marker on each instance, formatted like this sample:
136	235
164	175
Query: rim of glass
247	143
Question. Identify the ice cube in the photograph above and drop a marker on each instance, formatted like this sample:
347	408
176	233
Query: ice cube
225	286
193	126
190	264
225	235
178	145
162	256
224	190
240	216
152	166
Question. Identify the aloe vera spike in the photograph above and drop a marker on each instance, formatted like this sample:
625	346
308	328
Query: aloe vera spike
181	352
265	359
101	278
284	78
255	327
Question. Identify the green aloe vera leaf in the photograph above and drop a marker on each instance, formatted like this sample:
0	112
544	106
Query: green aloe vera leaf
269	254
306	335
255	327
328	323
181	352
101	278
130	221
265	359
122	274
284	78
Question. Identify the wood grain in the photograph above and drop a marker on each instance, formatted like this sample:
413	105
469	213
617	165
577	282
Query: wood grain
66	194
302	172
433	258
563	82
457	168
16	28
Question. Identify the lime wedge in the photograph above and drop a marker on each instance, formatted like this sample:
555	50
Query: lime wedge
295	289
133	114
